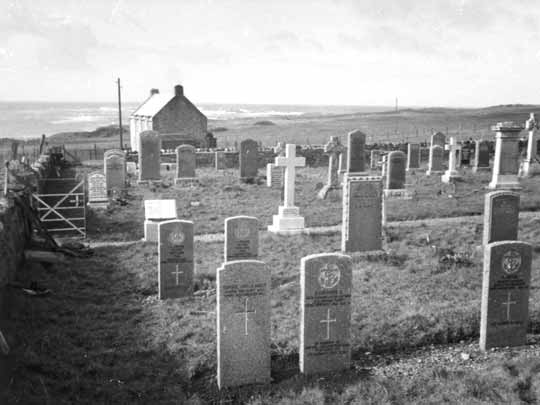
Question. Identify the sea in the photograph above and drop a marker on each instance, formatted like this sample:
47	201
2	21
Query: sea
25	120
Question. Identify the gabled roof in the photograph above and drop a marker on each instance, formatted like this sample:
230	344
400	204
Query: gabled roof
153	105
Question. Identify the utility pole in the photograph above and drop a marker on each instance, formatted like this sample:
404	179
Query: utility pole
120	115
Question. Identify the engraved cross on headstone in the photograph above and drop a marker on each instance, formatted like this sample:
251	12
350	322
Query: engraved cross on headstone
290	162
507	304
177	272
328	321
246	312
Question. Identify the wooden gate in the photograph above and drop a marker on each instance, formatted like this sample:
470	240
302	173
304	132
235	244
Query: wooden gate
62	209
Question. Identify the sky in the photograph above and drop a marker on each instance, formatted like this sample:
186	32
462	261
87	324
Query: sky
363	52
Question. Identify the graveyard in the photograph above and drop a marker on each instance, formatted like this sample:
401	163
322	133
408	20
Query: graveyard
402	296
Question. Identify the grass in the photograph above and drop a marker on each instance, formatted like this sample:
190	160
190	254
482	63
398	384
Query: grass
103	337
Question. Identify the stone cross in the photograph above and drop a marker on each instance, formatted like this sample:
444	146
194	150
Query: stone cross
290	162
334	149
451	173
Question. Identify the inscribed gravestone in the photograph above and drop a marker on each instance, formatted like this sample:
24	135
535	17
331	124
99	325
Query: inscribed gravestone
413	156
356	155
506	162
501	216
362	214
175	258
248	159
325	312
395	174
115	169
438	139
97	190
436	159
149	155
185	161
241	238
505	294
156	211
481	156
243	323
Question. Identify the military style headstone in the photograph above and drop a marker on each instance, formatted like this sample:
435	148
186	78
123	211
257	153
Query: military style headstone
248	159
243	323
451	174
115	169
175	258
149	156
156	211
185	164
333	149
362	214
481	156
501	216
356	143
505	294
97	191
530	164
395	173
288	221
241	238
436	160
413	156
506	162
325	313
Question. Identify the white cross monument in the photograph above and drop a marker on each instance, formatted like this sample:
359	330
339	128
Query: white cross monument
288	221
530	165
451	173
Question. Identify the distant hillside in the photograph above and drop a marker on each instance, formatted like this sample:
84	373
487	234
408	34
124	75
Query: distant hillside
99	133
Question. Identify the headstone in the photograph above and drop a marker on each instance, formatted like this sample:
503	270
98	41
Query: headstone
149	156
451	174
438	139
362	214
395	173
248	159
241	238
436	160
288	220
220	160
131	167
185	164
413	156
501	216
333	149
97	191
356	155
115	169
506	162
243	323
530	164
274	176
325	313
156	211
175	241
481	156
505	294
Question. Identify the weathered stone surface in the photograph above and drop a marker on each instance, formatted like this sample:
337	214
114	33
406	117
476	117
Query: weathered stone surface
334	149
436	160
413	156
356	154
325	313
438	139
505	294
97	190
185	161
175	269
481	156
362	214
149	155
395	174
506	162
248	159
243	323
115	169
241	238
501	216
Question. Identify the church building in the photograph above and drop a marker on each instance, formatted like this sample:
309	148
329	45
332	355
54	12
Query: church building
176	119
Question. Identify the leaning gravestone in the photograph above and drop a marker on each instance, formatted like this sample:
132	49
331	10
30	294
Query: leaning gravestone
97	191
248	159
241	238
501	216
243	323
505	294
362	214
413	156
149	156
185	164
115	169
481	156
156	211
175	258
395	174
325	313
356	155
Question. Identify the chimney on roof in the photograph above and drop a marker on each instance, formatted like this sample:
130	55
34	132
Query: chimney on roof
154	91
178	90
